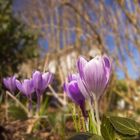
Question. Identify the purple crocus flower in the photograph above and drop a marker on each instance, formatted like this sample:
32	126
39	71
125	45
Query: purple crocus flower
95	75
10	83
74	93
41	82
26	87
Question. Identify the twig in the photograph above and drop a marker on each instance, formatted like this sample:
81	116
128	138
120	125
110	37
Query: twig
14	98
56	96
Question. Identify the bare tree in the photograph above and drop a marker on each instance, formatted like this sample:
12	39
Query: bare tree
83	25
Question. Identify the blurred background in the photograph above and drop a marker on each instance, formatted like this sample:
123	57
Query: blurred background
49	35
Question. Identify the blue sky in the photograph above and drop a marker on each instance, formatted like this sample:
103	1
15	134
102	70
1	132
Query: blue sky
133	74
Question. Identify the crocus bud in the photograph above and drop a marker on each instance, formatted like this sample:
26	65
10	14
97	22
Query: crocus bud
26	87
41	82
74	93
10	83
95	75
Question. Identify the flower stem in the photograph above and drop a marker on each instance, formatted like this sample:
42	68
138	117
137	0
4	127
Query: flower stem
93	118
97	115
38	103
87	124
74	118
30	106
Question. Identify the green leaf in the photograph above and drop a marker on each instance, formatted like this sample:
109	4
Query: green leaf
126	137
85	136
52	118
17	113
44	106
125	126
107	129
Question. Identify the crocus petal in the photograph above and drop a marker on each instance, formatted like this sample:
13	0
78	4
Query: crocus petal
9	81
19	86
31	86
74	92
107	64
25	86
95	75
76	77
82	88
5	83
14	83
47	79
65	86
28	86
91	73
72	89
80	64
37	80
10	84
72	77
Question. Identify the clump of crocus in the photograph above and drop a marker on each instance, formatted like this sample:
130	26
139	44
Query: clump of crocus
10	83
40	83
90	85
26	88
95	75
74	93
